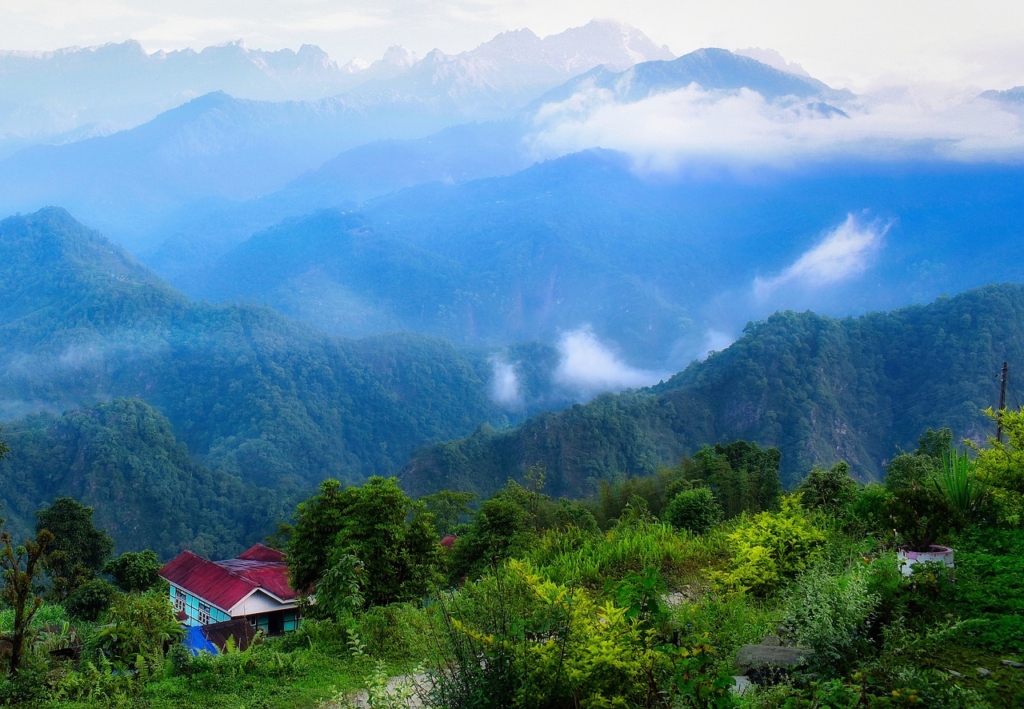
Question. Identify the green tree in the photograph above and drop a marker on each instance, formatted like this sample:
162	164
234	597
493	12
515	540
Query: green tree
311	541
78	549
489	538
21	567
1000	466
448	508
91	599
137	625
392	537
935	444
134	571
743	476
830	490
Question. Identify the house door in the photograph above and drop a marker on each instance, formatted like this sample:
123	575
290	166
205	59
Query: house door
276	623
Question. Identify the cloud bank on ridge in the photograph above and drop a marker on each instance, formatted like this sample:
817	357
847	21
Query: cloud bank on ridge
589	365
664	132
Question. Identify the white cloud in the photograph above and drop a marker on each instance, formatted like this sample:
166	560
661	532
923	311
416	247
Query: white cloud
668	131
590	366
505	384
717	340
844	253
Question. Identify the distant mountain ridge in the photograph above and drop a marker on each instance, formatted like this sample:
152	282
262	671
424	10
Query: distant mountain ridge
116	86
218	149
710	68
652	265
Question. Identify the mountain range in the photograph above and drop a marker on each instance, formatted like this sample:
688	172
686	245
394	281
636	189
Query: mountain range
215	419
59	95
653	266
189	172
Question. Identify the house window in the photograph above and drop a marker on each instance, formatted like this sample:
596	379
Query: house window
204	614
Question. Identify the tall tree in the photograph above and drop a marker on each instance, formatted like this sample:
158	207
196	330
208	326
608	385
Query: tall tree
21	566
78	549
392	537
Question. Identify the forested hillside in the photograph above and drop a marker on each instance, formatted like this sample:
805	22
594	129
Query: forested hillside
122	459
250	393
819	389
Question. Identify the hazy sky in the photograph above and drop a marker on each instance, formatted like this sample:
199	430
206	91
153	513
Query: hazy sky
854	44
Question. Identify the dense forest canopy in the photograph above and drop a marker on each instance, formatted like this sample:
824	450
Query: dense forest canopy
249	392
818	389
122	459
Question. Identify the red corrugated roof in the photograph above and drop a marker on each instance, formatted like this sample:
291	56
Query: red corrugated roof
261	552
225	583
269	575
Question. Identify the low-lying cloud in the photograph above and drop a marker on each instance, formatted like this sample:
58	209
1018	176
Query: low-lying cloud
665	132
589	365
844	253
505	389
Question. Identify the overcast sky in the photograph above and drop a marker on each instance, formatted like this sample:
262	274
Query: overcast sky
854	44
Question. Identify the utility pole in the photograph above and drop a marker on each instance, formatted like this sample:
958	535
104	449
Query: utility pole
1002	403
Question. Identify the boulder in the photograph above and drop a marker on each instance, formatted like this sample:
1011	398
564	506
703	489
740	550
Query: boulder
761	658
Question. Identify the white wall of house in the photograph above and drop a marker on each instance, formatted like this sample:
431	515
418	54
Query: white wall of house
258	602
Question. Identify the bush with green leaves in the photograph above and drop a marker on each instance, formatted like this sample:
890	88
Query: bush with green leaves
694	510
830	611
771	547
135	571
91	599
921	514
137	626
829	490
338	593
517	639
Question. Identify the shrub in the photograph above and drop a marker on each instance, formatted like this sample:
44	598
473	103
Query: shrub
831	613
337	592
694	510
515	639
91	599
398	632
921	514
771	547
138	626
634	544
870	512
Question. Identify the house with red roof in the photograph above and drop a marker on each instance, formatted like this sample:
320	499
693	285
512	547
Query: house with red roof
253	586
